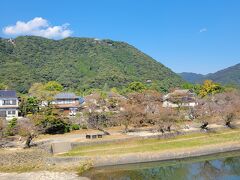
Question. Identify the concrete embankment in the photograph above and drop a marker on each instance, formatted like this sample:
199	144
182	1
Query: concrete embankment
162	156
130	158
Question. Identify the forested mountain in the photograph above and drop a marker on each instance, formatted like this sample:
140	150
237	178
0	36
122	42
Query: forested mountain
192	77
229	75
78	63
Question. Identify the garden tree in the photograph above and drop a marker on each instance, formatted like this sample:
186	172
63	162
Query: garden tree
228	106
103	101
28	105
99	116
219	108
29	130
37	90
51	121
210	88
195	87
228	119
48	121
149	101
11	127
167	118
136	87
125	117
53	86
45	92
3	86
140	108
114	104
206	110
98	121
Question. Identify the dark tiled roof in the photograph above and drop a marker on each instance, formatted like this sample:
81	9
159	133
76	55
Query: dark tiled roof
8	94
69	96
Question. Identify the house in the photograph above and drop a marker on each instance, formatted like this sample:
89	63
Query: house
180	98
8	104
69	103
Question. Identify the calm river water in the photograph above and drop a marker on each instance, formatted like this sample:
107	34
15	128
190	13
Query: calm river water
224	166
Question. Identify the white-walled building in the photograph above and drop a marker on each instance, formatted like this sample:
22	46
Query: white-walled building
180	98
69	103
8	104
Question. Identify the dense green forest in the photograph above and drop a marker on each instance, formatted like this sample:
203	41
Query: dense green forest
230	75
79	64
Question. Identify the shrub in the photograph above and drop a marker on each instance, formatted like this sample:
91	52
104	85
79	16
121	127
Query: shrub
52	124
75	127
55	125
11	127
85	166
136	87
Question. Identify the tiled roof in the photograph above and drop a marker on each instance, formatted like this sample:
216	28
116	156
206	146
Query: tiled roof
181	91
180	95
69	96
8	94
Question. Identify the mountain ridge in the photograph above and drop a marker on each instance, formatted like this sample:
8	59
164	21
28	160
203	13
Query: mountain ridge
78	63
229	75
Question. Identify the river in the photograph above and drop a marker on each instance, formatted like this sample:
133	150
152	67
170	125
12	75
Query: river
224	166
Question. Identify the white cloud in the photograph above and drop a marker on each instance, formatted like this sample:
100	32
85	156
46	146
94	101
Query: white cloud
38	27
203	30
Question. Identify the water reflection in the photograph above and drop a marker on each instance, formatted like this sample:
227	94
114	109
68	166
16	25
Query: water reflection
219	169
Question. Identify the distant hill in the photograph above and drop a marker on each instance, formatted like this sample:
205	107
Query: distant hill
229	75
78	63
192	77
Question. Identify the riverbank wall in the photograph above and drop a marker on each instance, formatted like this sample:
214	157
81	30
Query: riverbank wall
99	161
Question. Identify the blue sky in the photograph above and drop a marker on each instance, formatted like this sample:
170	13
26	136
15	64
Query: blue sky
199	36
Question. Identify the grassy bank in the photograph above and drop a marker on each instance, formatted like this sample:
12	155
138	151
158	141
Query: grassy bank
34	159
22	160
152	145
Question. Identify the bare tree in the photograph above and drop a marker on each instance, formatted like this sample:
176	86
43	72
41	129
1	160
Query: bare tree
146	108
98	121
27	129
220	108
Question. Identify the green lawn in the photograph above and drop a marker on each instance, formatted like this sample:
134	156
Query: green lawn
149	145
